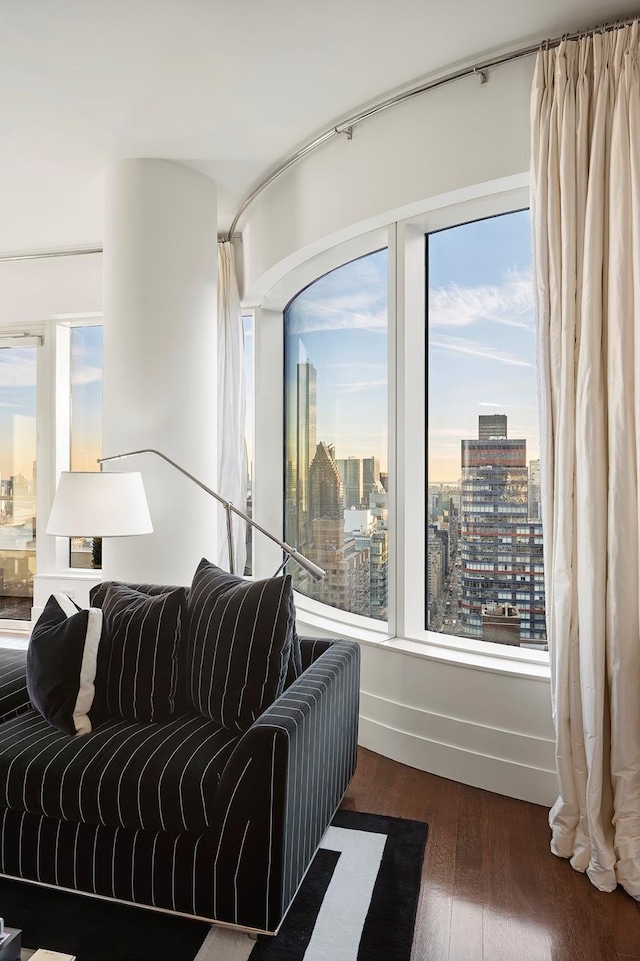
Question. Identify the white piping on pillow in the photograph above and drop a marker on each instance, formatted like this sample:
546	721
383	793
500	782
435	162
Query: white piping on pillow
87	691
67	605
89	666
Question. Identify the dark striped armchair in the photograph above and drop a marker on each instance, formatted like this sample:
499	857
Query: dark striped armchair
183	816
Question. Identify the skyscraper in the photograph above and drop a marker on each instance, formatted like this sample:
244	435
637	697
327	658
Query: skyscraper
325	486
370	476
351	473
534	490
346	585
491	426
301	448
500	547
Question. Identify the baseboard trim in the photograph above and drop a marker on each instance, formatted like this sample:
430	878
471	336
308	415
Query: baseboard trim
500	775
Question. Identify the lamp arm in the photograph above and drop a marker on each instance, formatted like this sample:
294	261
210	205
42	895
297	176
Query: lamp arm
316	572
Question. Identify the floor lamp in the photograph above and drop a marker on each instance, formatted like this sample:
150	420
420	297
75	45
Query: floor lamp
103	504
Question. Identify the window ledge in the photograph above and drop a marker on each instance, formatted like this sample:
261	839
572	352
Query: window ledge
330	622
464	652
509	663
78	573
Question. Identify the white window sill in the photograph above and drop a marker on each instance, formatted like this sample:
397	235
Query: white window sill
510	662
76	573
465	652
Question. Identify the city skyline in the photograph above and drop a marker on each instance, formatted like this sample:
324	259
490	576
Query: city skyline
339	324
17	412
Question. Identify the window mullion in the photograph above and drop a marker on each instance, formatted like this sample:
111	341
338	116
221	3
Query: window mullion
410	420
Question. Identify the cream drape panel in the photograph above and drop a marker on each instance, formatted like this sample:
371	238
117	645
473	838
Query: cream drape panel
585	115
232	455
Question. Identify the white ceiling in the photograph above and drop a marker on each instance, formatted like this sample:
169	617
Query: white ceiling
231	86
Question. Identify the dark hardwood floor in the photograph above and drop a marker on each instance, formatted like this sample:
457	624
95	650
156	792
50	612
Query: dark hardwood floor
491	889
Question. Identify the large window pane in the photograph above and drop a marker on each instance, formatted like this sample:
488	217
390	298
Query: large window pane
336	435
485	574
17	481
86	423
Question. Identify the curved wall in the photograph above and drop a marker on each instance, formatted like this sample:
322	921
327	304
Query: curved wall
489	728
456	136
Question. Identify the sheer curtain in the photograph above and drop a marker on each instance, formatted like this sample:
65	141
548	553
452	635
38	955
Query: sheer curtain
585	123
232	454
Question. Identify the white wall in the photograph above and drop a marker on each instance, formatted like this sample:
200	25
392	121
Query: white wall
33	290
456	136
489	728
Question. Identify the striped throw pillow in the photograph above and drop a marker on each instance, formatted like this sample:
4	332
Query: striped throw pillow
146	633
240	637
68	651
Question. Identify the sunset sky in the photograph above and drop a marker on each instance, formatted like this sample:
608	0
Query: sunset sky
481	355
18	404
482	350
339	324
481	343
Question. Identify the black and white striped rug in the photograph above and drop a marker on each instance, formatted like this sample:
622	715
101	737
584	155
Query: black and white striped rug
358	902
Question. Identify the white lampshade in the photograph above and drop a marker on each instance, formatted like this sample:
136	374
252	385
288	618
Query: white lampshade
99	504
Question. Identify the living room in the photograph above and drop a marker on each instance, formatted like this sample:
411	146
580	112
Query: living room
140	135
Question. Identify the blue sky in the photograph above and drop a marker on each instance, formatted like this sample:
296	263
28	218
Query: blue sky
17	411
481	343
481	353
339	324
86	397
482	347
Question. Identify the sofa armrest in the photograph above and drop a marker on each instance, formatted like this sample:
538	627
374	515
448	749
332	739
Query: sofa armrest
312	647
280	789
14	699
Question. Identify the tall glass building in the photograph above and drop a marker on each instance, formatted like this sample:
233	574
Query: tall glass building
501	561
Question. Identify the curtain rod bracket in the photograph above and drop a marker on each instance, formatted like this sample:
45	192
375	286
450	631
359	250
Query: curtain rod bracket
482	74
348	131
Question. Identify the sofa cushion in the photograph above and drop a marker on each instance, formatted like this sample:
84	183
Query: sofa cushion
14	698
68	648
124	774
240	637
146	632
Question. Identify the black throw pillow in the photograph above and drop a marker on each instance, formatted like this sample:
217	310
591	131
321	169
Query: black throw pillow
240	637
146	633
67	661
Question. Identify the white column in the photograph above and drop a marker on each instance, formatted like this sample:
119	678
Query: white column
160	276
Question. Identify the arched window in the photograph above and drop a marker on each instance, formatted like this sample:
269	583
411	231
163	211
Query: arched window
336	434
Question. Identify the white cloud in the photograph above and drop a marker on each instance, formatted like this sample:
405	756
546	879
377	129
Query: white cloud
459	345
16	370
85	374
354	386
510	303
342	314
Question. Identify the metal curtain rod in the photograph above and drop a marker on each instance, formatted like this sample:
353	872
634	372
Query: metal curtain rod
345	127
43	254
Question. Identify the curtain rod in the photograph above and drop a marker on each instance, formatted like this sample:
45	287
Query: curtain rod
43	254
345	128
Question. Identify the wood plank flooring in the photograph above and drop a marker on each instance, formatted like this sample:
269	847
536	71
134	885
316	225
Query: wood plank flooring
491	889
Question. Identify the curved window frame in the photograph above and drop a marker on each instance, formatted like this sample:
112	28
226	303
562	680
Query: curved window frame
405	239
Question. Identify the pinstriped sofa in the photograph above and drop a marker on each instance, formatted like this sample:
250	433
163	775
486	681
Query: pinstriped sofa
206	822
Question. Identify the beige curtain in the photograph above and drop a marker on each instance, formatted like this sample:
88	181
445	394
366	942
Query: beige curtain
232	397
585	115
